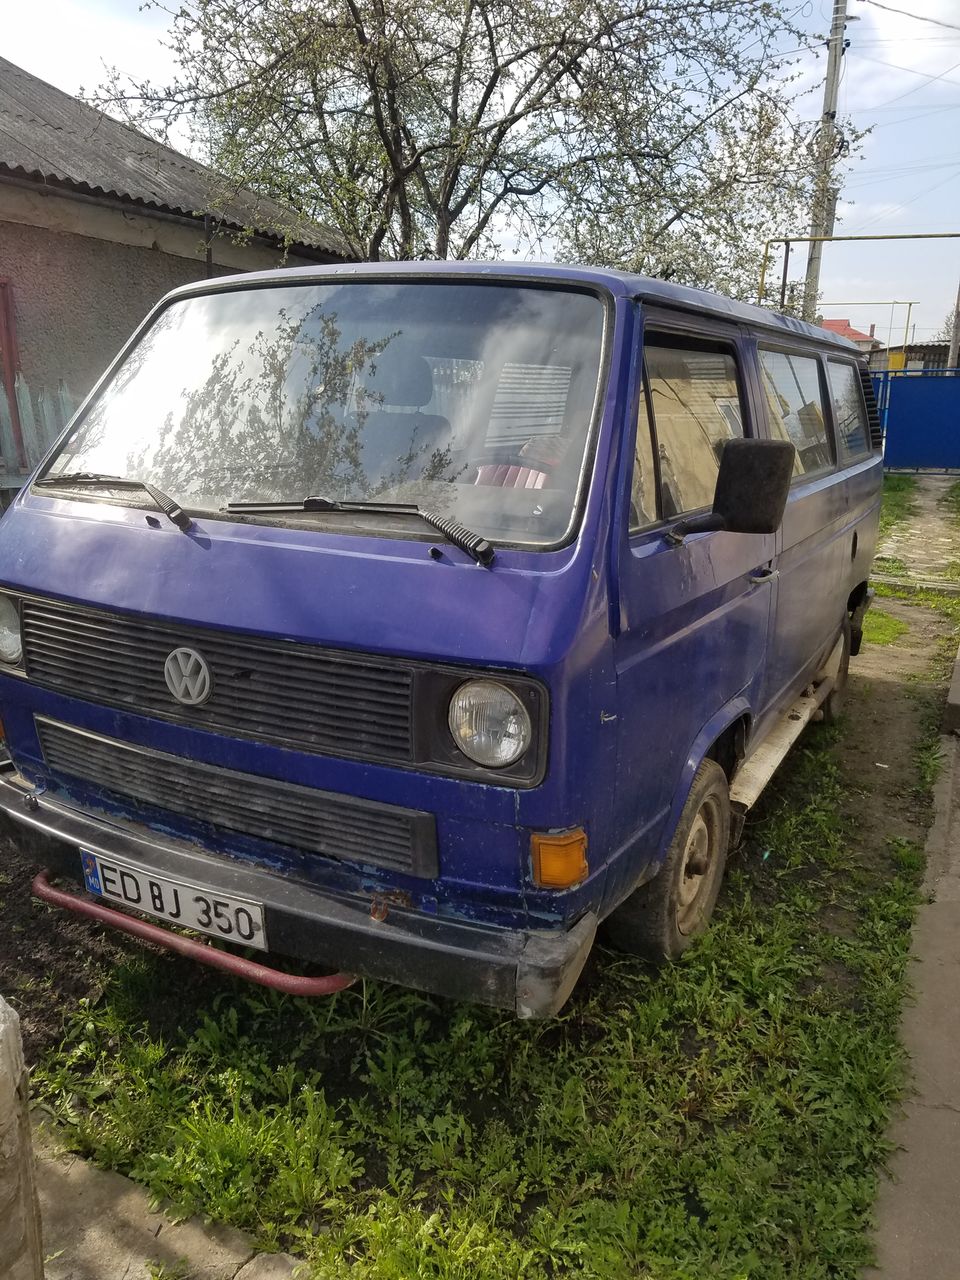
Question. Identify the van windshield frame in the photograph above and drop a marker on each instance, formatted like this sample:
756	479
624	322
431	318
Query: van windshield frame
548	347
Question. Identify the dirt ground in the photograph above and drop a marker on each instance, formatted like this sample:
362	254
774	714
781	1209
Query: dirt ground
49	959
895	694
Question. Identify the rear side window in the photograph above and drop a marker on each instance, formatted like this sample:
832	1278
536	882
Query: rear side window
696	409
791	384
849	411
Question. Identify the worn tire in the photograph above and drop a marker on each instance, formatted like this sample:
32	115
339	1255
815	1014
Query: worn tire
661	918
832	706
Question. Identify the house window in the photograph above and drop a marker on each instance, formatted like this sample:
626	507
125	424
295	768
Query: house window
9	355
12	458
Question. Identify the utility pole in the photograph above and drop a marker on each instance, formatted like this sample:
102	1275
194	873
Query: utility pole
953	359
825	194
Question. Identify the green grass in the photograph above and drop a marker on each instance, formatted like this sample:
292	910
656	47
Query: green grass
162	1271
891	565
948	606
950	501
898	501
882	628
724	1117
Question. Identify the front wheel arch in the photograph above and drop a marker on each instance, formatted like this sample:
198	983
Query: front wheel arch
660	919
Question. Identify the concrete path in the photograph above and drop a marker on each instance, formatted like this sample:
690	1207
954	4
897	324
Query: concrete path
918	1209
99	1226
928	542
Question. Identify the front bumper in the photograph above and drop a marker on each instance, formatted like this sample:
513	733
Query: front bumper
531	972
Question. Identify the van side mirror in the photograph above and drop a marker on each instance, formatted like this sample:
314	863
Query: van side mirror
752	489
753	484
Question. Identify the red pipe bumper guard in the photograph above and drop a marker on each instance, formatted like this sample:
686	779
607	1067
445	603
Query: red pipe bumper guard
291	983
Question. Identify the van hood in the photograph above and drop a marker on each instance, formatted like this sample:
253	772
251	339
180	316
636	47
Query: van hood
373	594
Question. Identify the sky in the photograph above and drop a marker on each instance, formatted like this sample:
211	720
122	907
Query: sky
901	80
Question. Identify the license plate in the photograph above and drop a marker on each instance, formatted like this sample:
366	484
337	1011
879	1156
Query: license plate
189	905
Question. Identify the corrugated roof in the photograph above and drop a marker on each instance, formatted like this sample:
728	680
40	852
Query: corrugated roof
942	345
46	134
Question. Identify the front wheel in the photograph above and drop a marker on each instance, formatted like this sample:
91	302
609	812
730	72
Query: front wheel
661	918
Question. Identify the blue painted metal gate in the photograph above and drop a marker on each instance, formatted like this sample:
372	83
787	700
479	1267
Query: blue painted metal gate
920	413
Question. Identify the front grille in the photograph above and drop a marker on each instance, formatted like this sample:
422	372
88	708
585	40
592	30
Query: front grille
275	691
302	818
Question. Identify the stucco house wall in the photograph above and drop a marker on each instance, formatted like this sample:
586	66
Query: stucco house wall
98	222
76	300
82	275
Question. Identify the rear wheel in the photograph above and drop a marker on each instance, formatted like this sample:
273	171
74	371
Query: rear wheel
661	918
832	706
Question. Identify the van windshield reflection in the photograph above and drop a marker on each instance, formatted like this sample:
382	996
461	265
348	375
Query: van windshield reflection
474	401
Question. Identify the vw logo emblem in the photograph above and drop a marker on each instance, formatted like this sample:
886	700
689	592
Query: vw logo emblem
188	677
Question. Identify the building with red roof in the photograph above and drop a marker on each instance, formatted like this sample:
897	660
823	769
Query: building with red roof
865	341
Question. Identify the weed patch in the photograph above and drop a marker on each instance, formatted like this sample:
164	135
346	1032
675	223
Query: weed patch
891	565
882	628
950	501
947	606
722	1117
898	501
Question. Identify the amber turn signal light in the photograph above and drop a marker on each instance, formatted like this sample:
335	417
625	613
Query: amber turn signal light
559	858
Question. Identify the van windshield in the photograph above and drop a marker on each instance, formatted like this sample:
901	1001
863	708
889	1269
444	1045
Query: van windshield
472	400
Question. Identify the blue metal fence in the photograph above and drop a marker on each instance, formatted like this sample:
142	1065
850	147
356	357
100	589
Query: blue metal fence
920	413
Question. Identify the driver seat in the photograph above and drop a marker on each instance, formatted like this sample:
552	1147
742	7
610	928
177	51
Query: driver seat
397	444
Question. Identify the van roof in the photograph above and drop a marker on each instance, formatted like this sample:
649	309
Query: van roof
620	283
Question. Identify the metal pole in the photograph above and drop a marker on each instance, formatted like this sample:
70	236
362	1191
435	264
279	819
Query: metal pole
906	332
900	235
783	280
953	355
825	194
763	271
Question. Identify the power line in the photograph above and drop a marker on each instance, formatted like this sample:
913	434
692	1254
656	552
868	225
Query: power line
871	40
911	71
921	113
888	213
920	17
859	177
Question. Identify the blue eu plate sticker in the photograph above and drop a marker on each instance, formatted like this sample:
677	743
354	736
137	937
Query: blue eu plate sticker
91	872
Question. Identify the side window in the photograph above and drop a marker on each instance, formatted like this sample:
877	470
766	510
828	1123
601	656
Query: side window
696	409
795	407
849	411
643	491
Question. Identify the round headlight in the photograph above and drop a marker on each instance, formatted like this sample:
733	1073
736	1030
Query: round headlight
10	647
489	723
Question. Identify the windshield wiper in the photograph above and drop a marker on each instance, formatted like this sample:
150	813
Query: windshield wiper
172	510
481	550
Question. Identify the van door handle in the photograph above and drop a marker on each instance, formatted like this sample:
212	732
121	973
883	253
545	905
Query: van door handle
764	575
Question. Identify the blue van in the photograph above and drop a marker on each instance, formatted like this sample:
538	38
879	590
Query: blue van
416	620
